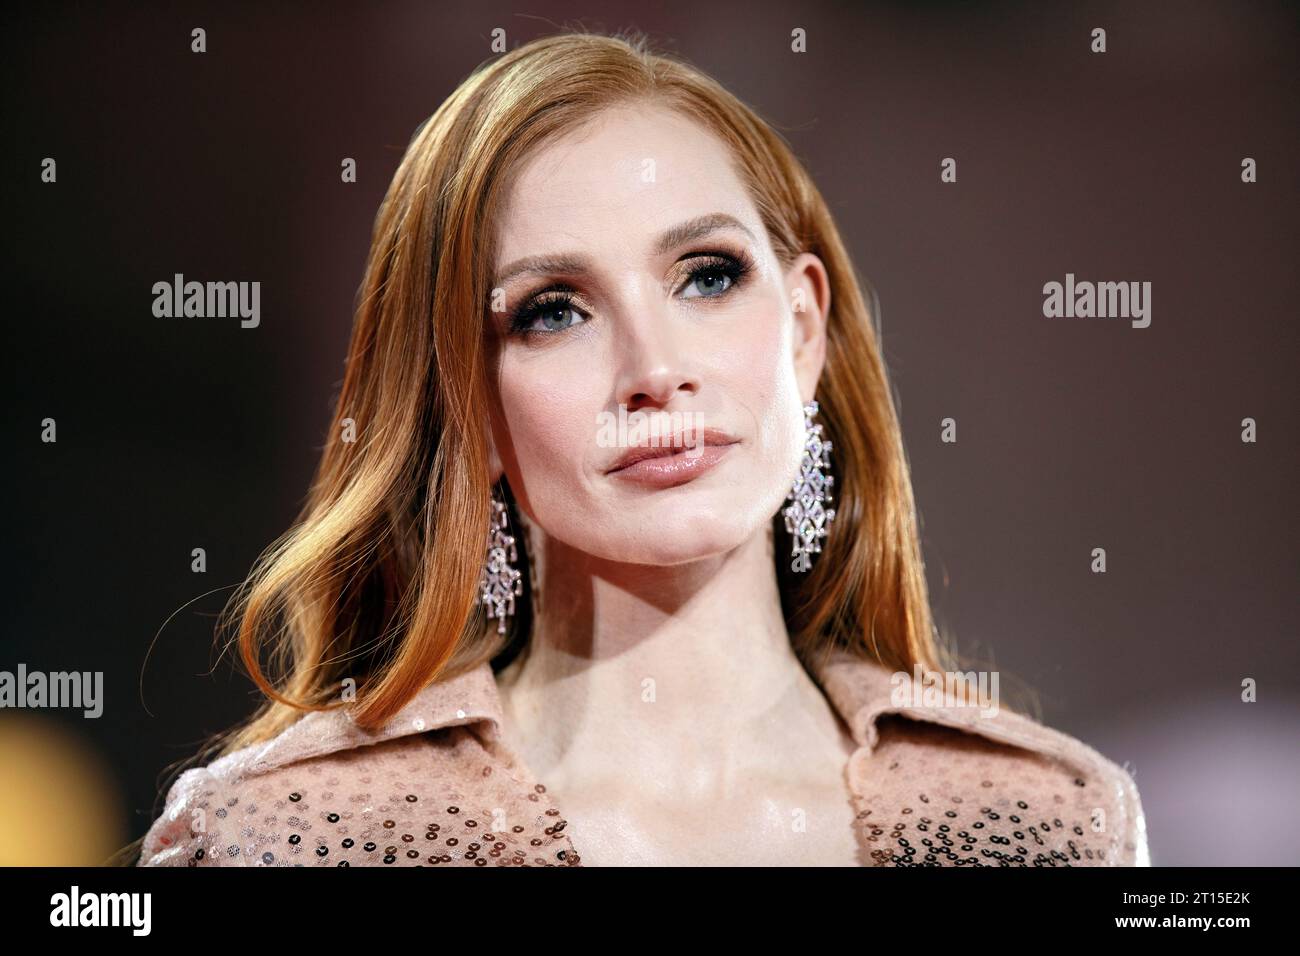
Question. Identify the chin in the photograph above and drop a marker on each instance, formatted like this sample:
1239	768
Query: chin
679	533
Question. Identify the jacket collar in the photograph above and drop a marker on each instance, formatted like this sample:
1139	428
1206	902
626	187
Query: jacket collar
864	690
860	689
468	698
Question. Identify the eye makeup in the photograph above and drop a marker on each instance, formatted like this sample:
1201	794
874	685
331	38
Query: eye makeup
553	303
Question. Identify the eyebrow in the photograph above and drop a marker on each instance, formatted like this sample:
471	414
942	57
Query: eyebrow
678	235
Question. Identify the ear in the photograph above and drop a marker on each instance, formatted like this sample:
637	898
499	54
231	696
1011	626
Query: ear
808	291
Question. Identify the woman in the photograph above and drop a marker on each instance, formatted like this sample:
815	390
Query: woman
616	500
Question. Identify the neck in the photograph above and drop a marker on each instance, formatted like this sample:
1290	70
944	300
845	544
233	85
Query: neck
678	677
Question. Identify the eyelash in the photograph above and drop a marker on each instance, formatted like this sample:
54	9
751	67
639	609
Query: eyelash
735	266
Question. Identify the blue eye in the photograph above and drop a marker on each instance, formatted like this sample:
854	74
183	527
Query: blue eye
554	313
716	276
708	283
554	309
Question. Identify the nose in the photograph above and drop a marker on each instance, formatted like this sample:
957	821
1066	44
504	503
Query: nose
656	364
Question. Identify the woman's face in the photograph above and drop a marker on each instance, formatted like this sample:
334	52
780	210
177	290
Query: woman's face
638	302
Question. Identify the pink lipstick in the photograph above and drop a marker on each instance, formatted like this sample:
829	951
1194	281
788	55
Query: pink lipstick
674	461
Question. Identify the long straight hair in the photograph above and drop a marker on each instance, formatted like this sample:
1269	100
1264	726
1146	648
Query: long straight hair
374	588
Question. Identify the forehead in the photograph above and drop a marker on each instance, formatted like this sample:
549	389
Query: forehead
625	176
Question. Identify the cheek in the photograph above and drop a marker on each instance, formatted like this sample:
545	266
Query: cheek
550	426
760	372
762	352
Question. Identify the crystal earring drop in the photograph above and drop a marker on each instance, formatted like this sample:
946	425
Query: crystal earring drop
808	519
500	582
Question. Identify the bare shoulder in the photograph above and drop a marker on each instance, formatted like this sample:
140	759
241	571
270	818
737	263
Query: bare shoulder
958	789
420	799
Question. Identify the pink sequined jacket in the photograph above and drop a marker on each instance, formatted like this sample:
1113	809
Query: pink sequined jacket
937	785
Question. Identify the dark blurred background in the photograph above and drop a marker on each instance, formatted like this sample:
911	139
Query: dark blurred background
1072	433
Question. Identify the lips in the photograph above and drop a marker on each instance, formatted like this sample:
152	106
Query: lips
686	445
671	462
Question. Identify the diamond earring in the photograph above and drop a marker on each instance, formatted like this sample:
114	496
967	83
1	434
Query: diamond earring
500	581
807	520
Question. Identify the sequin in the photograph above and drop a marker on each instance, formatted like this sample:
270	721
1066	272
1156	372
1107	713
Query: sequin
994	835
930	787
